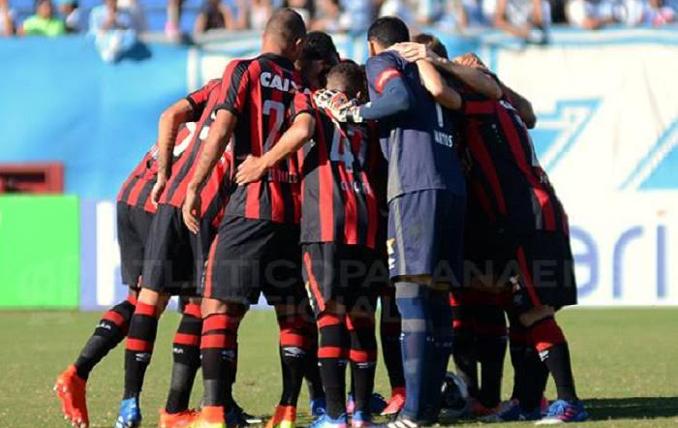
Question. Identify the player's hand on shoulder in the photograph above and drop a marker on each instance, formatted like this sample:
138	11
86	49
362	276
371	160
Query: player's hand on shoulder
338	105
251	169
412	52
328	98
469	59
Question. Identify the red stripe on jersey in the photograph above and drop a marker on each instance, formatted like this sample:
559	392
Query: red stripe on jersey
277	202
479	152
483	199
384	77
313	283
252	199
479	107
512	137
350	205
526	275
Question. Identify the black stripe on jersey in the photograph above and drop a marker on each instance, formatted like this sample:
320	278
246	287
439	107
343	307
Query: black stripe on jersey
145	193
124	197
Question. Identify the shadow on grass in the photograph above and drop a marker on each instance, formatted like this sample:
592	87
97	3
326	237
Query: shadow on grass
632	408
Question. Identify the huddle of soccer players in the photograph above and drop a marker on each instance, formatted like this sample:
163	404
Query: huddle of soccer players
277	178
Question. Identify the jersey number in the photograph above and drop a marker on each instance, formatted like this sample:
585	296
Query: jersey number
278	109
341	149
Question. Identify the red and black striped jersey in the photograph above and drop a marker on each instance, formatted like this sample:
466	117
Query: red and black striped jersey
506	182
343	179
217	186
136	189
263	93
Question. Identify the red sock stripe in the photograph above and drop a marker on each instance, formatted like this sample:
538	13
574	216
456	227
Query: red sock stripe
132	299
359	323
363	356
138	345
186	339
218	341
220	322
145	309
332	352
293	338
115	318
546	334
327	320
192	309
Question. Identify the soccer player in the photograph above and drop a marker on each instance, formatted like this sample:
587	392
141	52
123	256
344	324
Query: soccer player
251	253
339	232
135	210
522	234
173	261
426	199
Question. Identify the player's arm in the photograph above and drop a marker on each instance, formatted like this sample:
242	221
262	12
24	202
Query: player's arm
213	147
168	126
522	105
254	167
436	86
474	78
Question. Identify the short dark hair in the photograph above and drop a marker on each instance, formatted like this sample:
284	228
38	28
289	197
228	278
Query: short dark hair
286	25
388	30
318	45
352	75
432	42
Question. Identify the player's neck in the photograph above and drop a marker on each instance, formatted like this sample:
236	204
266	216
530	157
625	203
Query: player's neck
274	49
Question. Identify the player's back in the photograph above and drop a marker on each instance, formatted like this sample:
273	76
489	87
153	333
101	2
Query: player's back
340	170
417	143
506	169
261	93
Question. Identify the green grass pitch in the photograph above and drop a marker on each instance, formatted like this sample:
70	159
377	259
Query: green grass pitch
625	362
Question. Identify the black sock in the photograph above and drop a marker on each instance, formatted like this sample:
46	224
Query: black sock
139	347
363	356
332	355
519	345
294	346
533	382
491	341
186	355
442	339
390	330
110	331
549	341
312	373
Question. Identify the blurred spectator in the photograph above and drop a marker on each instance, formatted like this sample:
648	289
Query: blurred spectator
305	8
357	14
213	15
172	27
429	12
6	19
527	19
258	13
403	9
70	11
44	22
327	16
113	29
593	14
136	12
658	13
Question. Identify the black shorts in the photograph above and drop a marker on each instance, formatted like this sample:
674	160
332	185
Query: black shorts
134	224
174	258
538	266
251	256
347	274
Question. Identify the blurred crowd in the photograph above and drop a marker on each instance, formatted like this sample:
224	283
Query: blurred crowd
527	19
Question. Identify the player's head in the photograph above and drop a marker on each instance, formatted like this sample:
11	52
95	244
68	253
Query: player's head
386	32
349	78
318	55
431	42
284	33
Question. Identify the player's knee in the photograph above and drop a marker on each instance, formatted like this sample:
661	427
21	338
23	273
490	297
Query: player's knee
545	333
536	314
212	306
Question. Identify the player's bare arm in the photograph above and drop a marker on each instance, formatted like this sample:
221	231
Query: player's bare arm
215	144
168	126
292	140
436	86
471	76
522	105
